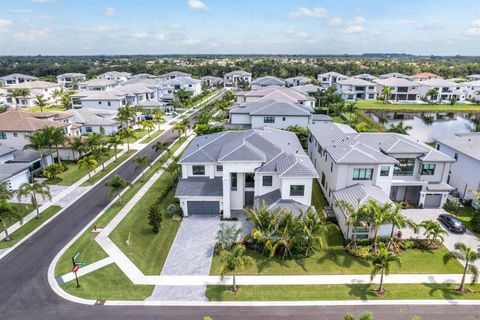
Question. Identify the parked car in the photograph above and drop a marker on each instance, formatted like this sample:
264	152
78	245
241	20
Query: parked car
452	223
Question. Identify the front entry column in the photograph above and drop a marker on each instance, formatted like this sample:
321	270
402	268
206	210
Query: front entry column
226	196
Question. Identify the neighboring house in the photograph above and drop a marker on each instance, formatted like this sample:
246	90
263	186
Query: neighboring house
270	113
210	81
384	166
115	76
474	77
143	76
167	88
231	80
276	93
447	90
229	171
356	89
70	80
472	90
425	76
97	85
16	78
173	75
14	175
95	121
267	81
36	88
402	89
308	89
365	76
396	75
464	174
330	79
297	81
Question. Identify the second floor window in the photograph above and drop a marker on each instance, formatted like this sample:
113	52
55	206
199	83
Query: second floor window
405	167
428	169
219	168
384	171
268	119
267	181
362	174
198	170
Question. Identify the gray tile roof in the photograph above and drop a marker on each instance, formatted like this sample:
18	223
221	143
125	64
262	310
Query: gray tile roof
332	73
436	156
200	186
307	88
5	151
355	82
175	74
26	156
467	144
277	93
237	73
14	76
360	194
8	170
268	81
272	108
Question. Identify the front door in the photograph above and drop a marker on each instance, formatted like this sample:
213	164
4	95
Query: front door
249	196
249	189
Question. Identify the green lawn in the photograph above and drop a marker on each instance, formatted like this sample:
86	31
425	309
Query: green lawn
46	109
407	107
340	292
108	283
153	136
74	173
318	200
29	227
99	175
22	210
466	214
139	133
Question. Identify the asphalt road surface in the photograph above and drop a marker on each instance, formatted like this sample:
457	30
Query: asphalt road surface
26	294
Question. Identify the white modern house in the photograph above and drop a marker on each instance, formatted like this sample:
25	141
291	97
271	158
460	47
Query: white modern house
464	174
395	75
35	89
167	88
117	76
270	113
16	78
97	85
173	75
353	89
447	90
225	172
13	174
70	80
276	93
403	90
365	76
330	79
95	121
297	81
472	89
267	81
211	81
474	77
382	166
231	80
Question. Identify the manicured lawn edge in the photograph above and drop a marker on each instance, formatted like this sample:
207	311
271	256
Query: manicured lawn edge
28	227
22	209
153	136
102	173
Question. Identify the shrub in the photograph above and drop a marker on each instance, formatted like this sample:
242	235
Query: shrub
227	236
451	206
475	223
174	209
361	252
155	218
408	244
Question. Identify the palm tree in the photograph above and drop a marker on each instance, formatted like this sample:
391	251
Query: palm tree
114	141
48	133
182	95
233	261
7	212
88	163
377	215
399	221
433	231
128	134
77	144
227	236
312	226
174	170
52	171
158	116
33	190
5	192
36	141
15	93
432	93
40	102
400	128
142	162
146	125
356	217
381	261
116	185
180	127
58	138
468	256
387	93
126	114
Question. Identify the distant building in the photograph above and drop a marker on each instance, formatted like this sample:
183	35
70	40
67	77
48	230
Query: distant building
16	78
35	89
447	90
267	81
70	80
297	81
425	76
173	75
356	89
403	90
330	79
115	76
210	81
231	80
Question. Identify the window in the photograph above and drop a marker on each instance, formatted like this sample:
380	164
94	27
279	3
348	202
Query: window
297	190
3	135
88	129
249	180
405	168
109	103
283	118
267	181
219	168
323	179
455	156
384	171
428	169
362	174
15	134
268	119
331	167
233	178
198	170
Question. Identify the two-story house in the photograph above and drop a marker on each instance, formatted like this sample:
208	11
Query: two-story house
382	166
472	90
35	89
329	79
297	81
465	172
16	78
174	74
117	76
353	89
228	171
276	93
97	85
447	90
70	80
232	80
211	81
403	90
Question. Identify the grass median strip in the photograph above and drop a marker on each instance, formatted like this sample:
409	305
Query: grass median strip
340	292
102	173
153	136
28	227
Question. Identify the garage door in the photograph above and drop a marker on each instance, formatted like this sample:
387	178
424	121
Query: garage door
412	195
433	201
203	207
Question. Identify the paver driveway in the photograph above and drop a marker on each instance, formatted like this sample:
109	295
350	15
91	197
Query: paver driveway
419	215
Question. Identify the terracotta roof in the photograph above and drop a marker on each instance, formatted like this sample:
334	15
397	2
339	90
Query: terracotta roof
19	121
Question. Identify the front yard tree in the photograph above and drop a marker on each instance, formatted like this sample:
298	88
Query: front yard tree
399	221
58	138
433	231
89	163
128	134
40	102
114	141
227	236
233	261
468	256
381	261
126	115
116	185
356	217
5	192
387	93
7	212
432	93
377	215
36	141
147	125
33	190
155	218
52	171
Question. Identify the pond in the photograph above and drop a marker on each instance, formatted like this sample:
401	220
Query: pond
428	125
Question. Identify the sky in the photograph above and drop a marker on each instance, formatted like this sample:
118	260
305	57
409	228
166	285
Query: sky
88	27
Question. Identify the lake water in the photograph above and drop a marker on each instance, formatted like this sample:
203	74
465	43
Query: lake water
427	126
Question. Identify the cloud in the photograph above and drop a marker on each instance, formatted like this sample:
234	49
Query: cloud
43	1
335	22
474	30
20	10
190	41
429	25
110	11
299	36
353	26
100	28
31	35
5	25
159	36
46	18
317	12
197	5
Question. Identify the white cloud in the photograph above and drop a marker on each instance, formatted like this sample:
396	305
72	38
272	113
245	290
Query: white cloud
353	29
160	36
42	1
110	11
318	12
197	5
141	35
190	41
46	18
20	10
5	24
31	35
100	28
335	22
354	26
295	34
429	25
474	30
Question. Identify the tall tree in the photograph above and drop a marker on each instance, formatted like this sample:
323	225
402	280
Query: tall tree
377	214
432	93
398	220
128	134
37	141
15	93
77	145
5	192
147	125
468	257
114	141
126	114
356	217
387	93
381	261
7	212
180	128
433	231
233	261
116	185
40	102
58	139
33	190
89	163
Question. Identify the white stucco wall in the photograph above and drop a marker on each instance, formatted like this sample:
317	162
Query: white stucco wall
280	122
